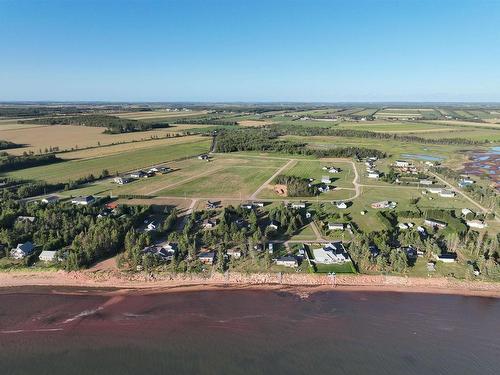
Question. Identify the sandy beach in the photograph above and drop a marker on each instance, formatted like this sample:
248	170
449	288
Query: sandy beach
297	283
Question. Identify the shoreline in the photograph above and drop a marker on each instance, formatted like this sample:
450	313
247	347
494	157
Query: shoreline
301	284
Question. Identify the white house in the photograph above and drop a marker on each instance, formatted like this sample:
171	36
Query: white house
274	225
26	219
341	205
83	200
426	182
22	250
234	253
50	199
435	223
402	163
466	211
287	261
326	180
47	256
447	193
402	226
479	224
331	253
258	204
374	175
447	258
335	226
298	205
121	180
334	170
435	190
151	226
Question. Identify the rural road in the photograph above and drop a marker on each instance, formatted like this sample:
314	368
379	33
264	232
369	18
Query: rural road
263	186
458	191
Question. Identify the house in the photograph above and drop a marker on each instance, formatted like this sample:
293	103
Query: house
83	200
247	206
410	252
335	226
422	231
121	180
402	226
26	219
207	258
464	182
241	223
331	253
270	248
274	225
22	250
434	190
479	224
151	226
375	175
341	205
50	199
466	211
334	170
165	252
426	182
447	193
203	157
287	261
47	256
435	223
374	251
138	174
234	253
258	204
164	170
384	204
298	205
402	163
308	215
447	257
210	223
326	180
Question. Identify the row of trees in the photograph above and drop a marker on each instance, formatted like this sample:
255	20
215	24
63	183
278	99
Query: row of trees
267	139
13	162
113	124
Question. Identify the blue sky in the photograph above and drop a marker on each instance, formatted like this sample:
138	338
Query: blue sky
236	50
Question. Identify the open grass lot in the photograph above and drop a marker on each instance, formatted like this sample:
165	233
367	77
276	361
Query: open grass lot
466	123
117	163
68	137
232	181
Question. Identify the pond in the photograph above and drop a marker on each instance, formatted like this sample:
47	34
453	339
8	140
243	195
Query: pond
422	157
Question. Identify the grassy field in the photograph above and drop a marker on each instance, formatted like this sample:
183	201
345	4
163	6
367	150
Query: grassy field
117	163
233	181
158	115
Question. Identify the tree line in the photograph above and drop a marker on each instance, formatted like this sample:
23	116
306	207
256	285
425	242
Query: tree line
113	124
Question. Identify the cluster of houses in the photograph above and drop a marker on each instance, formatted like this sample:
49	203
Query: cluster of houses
475	223
405	166
136	175
384	205
371	170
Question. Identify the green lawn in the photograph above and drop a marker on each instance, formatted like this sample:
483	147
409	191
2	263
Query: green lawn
73	169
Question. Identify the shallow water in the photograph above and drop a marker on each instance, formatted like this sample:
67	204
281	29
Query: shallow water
247	332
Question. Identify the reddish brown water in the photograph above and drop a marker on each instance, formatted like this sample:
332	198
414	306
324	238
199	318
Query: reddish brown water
247	332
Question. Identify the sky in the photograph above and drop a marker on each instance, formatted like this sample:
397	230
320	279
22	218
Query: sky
258	50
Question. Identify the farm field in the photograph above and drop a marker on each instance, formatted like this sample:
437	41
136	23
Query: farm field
125	147
68	137
392	126
117	163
